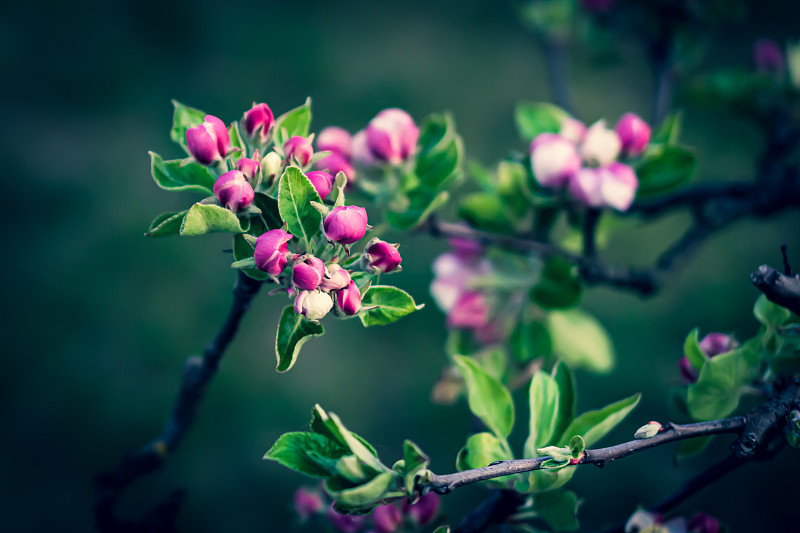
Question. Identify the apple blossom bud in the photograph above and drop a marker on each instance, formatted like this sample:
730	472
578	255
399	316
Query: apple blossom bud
392	136
313	304
335	278
386	518
425	510
272	252
335	139
249	167
345	224
361	151
634	134
600	145
688	372
233	191
258	122
648	430
572	129
307	274
717	343
344	522
208	142
349	299
335	163
553	159
768	56
322	182
271	164
380	256
618	186
299	149
470	311
307	502
703	523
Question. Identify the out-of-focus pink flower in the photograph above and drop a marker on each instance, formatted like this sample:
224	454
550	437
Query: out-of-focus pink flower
335	139
360	149
470	311
717	343
634	134
307	502
768	56
703	523
392	136
614	186
601	145
386	518
573	130
553	159
425	510
344	522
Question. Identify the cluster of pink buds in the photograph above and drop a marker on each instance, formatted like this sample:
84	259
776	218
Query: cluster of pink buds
711	345
586	160
389	518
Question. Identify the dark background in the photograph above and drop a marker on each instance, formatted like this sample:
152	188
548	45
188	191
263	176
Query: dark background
99	319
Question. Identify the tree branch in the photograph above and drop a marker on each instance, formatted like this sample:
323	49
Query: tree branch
555	53
779	288
197	374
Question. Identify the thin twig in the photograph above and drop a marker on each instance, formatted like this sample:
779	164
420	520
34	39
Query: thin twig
555	53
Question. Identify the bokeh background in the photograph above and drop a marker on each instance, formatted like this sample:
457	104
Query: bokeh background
99	319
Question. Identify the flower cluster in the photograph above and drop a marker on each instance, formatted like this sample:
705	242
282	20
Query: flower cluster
389	518
586	161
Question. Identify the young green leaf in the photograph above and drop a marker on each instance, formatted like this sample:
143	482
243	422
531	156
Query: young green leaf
369	494
770	314
176	175
594	425
295	451
393	304
295	192
293	331
529	341
665	168
184	118
557	453
208	218
558	287
482	449
269	210
535	118
559	508
717	390
293	122
669	130
166	224
692	351
544	412
576	447
243	250
580	340
563	377
488	399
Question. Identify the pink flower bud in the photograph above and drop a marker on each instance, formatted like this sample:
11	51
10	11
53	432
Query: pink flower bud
349	299
307	503
392	136
768	56
634	134
361	151
208	142
322	182
584	186
386	518
470	311
335	139
345	224
272	252
688	372
553	159
258	122
313	304
249	167
299	149
600	145
233	191
335	278
307	274
572	130
425	510
703	523
717	343
344	522
381	256
618	186
335	163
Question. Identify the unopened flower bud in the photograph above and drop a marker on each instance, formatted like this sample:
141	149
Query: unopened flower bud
361	151
572	129
335	278
233	191
307	503
344	522
272	252
380	256
648	430
208	142
271	164
634	134
313	305
717	343
335	139
349	299
392	136
553	159
768	56
307	274
334	163
469	311
322	182
345	224
258	122
688	372
703	523
249	167
600	145
299	149
425	510
386	518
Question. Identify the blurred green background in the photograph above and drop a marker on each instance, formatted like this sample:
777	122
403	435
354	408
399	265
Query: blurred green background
99	319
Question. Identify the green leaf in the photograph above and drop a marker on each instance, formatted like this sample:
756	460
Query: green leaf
485	211
535	118
543	398
488	399
176	175
269	210
559	454
482	449
393	304
329	425
594	425
166	224
295	191
692	351
236	142
770	314
664	168
244	250
295	450
562	375
412	217
184	118
559	508
442	529
559	286
669	130
414	461
576	446
367	495
293	331
294	122
529	341
580	340
208	218
692	447
717	390
441	152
